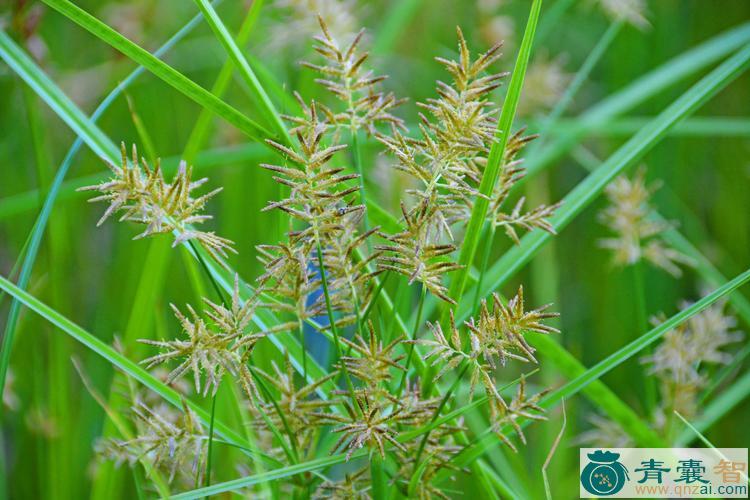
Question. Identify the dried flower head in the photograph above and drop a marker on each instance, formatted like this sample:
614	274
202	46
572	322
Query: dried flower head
214	347
495	335
346	77
368	424
521	406
10	398
299	405
323	199
176	446
681	357
410	253
145	197
301	21
496	28
373	362
631	217
448	161
544	84
604	433
354	486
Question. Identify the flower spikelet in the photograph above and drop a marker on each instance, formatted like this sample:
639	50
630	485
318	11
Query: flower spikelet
371	425
344	75
322	198
374	361
637	231
173	445
145	197
500	332
523	406
412	253
457	131
299	405
211	349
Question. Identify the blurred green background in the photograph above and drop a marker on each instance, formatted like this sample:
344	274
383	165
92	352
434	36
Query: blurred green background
91	274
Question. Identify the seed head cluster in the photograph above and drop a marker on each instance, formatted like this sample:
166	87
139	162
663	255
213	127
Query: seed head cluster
376	396
143	196
457	130
638	232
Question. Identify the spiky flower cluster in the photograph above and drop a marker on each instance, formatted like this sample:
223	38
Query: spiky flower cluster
680	364
145	197
379	396
344	75
212	347
497	335
638	230
300	21
322	200
175	446
457	132
544	84
294	406
629	11
680	361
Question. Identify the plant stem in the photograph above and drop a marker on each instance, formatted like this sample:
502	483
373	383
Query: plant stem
207	481
357	158
641	314
440	407
334	329
489	238
415	330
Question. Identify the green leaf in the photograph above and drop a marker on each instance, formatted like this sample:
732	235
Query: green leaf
495	160
24	67
160	69
246	72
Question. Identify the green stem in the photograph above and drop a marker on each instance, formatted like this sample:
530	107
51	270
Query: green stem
439	409
334	329
488	239
415	331
649	383
357	158
207	481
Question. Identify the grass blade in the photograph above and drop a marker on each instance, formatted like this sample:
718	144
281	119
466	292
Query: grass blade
246	72
160	69
495	160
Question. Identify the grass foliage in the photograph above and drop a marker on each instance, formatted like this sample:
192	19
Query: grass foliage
338	282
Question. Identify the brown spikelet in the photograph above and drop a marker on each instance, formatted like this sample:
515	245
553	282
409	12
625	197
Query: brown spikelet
145	197
344	75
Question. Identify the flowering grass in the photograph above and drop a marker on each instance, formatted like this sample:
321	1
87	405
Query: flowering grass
348	313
